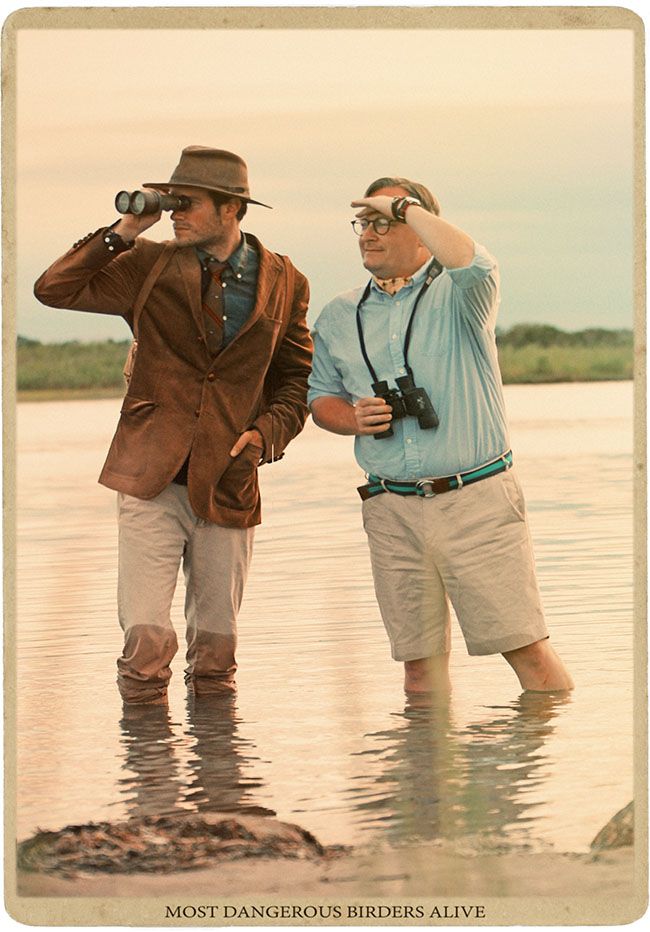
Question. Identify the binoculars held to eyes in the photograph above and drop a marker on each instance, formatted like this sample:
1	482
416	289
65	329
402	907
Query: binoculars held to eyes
148	202
406	400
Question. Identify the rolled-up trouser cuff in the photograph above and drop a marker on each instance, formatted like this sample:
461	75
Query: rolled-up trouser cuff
143	668
211	664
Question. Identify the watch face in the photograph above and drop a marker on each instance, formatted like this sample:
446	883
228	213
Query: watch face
122	202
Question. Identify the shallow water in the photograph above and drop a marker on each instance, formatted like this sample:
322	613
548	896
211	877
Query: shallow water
319	732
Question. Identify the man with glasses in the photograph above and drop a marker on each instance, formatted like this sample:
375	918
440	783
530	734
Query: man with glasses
408	365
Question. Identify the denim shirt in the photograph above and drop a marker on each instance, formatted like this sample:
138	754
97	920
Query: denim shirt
452	354
240	286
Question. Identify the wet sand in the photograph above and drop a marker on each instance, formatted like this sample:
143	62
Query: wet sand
598	886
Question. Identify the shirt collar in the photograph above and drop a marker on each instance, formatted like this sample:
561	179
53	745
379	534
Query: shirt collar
237	260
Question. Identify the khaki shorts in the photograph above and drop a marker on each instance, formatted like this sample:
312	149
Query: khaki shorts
470	547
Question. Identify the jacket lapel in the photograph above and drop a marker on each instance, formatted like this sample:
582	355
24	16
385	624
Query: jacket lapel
190	271
267	276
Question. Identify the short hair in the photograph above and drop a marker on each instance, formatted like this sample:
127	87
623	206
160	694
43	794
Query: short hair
424	196
219	199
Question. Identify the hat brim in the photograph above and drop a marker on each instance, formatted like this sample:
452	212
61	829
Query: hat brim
165	185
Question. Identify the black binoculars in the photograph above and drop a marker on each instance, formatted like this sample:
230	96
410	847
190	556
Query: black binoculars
406	400
148	202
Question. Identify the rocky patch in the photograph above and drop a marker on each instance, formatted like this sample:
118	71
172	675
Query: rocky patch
164	844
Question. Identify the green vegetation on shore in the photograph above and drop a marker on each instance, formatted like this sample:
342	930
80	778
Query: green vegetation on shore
528	353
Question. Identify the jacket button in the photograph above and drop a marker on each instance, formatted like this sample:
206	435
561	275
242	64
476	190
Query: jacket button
197	412
211	377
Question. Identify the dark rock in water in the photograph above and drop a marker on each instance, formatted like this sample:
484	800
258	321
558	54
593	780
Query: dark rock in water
619	831
167	843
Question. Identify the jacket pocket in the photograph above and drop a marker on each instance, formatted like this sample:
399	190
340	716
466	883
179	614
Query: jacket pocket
129	450
137	406
238	487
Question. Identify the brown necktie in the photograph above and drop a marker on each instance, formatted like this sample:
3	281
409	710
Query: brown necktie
214	307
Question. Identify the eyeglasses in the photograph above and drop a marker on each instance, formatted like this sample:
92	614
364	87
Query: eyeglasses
381	225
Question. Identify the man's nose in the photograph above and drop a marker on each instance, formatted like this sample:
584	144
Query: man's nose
368	233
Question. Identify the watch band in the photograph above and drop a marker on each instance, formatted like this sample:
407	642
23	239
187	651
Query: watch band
114	242
400	205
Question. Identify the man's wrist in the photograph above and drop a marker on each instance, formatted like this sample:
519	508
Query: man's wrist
116	242
399	206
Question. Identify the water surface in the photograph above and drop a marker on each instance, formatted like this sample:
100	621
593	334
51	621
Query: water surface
319	732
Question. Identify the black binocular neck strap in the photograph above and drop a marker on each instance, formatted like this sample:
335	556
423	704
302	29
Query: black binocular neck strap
433	271
362	342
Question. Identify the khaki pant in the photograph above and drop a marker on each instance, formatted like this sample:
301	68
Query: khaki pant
470	547
155	537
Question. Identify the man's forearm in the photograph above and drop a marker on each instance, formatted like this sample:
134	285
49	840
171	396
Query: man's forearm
284	409
453	248
367	416
334	414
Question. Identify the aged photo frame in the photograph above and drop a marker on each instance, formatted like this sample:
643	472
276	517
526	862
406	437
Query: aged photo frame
347	805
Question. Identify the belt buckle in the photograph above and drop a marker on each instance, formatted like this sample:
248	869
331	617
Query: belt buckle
426	486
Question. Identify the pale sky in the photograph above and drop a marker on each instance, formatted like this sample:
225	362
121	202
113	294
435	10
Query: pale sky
524	135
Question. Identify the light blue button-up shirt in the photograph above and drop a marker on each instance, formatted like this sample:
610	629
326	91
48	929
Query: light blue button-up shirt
452	354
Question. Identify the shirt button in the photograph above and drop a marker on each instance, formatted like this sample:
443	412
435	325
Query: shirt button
211	377
398	303
394	336
224	317
409	440
402	371
197	412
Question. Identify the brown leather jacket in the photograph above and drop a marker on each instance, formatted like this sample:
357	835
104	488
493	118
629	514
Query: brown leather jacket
179	398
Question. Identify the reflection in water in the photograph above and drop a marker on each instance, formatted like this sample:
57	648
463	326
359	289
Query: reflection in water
315	673
215	776
220	758
432	780
152	787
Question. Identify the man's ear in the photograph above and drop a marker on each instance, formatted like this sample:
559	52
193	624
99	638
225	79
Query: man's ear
231	207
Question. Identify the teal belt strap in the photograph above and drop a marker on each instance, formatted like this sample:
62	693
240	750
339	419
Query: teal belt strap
430	487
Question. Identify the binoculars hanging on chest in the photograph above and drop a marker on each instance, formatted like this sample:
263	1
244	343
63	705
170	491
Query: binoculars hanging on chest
148	202
406	400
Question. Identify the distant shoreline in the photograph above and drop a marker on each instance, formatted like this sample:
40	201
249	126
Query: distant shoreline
529	354
98	394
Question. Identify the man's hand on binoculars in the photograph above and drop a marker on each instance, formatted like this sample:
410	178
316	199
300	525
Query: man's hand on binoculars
372	415
132	225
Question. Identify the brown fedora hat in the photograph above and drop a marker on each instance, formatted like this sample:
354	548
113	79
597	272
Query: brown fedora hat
213	169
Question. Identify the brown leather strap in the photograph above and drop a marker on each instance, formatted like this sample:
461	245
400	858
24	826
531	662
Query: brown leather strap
149	282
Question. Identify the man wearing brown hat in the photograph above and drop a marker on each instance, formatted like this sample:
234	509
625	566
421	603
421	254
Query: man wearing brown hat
217	387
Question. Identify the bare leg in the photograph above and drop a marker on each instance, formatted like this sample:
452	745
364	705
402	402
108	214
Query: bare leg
427	675
539	668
